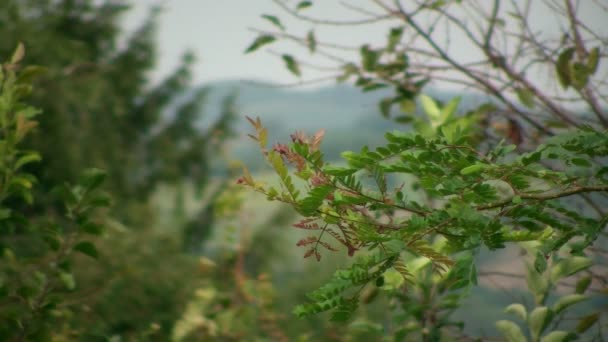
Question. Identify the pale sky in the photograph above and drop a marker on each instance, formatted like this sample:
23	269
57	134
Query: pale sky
218	32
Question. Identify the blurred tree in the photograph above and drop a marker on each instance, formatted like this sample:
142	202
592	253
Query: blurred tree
100	109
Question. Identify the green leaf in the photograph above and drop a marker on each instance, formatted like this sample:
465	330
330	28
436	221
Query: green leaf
18	54
593	60
510	331
567	301
274	20
30	73
309	205
366	326
559	336
582	284
579	75
291	65
345	310
569	266
586	322
26	159
538	321
5	213
303	5
517	309
68	280
100	200
338	171
525	96
394	37
562	67
580	162
402	119
430	106
448	111
92	228
87	248
369	58
407	106
540	262
471	169
92	178
385	106
311	41
537	284
259	42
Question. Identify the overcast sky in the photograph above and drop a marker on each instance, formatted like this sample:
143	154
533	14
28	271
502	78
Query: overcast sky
218	32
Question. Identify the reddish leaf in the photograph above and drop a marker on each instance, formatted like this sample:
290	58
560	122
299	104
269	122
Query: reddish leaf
306	224
307	241
309	252
316	140
328	246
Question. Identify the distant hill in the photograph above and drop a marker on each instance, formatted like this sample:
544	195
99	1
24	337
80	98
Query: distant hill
350	117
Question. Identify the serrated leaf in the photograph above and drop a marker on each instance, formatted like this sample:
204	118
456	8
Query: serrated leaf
567	301
510	331
87	248
259	42
517	309
291	65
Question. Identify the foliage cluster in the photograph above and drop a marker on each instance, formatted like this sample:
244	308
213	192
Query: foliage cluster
524	169
38	282
101	111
